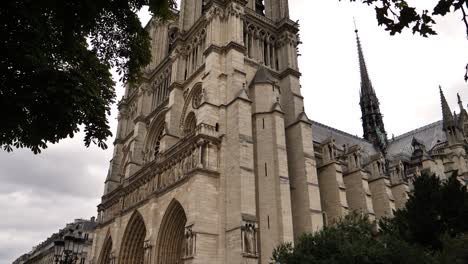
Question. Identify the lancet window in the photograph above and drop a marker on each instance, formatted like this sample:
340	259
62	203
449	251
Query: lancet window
190	123
261	46
153	144
161	88
194	54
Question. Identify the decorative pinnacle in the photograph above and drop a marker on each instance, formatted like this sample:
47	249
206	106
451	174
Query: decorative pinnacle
446	113
460	103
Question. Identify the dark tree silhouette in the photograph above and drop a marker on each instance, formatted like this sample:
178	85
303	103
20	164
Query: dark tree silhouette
435	209
55	58
353	240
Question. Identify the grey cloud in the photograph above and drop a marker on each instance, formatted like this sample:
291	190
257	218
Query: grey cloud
73	170
40	193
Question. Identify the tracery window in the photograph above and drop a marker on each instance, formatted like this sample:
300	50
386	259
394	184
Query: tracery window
190	123
153	143
157	144
197	97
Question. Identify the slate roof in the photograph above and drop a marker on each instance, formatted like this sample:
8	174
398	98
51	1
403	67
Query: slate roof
401	147
429	135
321	132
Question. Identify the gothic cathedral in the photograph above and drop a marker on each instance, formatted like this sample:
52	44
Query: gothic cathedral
215	160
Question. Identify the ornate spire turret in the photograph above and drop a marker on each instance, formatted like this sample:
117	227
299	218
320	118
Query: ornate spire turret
451	125
460	103
372	121
447	116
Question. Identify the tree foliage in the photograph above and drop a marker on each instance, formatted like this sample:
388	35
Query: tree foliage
431	229
435	209
396	15
352	240
55	61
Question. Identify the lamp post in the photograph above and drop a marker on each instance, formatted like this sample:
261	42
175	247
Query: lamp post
68	248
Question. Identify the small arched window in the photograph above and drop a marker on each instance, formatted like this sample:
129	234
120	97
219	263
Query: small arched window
197	97
157	143
190	123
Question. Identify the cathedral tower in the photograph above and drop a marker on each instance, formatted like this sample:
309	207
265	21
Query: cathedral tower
372	123
213	159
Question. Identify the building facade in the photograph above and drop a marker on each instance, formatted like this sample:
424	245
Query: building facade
215	160
44	253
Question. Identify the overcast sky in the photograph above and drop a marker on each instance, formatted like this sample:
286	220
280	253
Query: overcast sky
40	193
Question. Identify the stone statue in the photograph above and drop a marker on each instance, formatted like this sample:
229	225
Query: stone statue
249	239
189	243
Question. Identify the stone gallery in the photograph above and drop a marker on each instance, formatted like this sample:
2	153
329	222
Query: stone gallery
215	160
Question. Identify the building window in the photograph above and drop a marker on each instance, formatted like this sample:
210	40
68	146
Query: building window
82	261
190	123
260	7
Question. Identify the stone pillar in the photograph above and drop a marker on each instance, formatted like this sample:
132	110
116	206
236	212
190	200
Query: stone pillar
271	168
382	197
358	193
332	191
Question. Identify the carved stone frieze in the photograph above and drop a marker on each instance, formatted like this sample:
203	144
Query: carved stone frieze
198	150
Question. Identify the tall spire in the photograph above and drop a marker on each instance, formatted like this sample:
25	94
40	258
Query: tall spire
366	84
447	116
372	121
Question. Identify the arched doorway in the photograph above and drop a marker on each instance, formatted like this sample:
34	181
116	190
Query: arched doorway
171	235
132	251
106	253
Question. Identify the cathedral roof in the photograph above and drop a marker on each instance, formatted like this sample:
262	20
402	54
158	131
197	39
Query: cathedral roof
401	146
321	132
429	135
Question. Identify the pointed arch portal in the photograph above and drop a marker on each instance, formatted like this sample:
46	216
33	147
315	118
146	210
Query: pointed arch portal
106	254
171	235
132	251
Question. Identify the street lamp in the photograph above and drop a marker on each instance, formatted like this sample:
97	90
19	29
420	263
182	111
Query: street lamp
68	248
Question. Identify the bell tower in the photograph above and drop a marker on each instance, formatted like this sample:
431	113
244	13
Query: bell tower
214	144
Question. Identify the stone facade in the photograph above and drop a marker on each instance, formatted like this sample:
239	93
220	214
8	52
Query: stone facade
44	252
215	160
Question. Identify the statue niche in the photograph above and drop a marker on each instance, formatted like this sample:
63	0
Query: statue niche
189	246
249	238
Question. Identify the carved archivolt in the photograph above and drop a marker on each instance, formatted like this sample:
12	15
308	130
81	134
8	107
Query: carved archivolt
107	256
132	250
172	239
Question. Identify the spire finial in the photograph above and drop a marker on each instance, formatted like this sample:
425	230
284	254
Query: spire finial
355	26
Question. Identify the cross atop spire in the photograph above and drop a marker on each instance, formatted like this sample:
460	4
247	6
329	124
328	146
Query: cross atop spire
372	121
